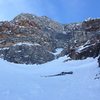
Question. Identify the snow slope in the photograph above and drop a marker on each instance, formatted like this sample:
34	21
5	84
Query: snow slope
26	82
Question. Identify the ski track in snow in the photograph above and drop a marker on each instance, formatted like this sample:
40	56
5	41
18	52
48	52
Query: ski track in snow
24	82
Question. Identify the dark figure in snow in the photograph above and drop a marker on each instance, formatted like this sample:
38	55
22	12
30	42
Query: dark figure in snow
60	74
99	61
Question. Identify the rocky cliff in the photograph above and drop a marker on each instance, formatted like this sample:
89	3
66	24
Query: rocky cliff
31	39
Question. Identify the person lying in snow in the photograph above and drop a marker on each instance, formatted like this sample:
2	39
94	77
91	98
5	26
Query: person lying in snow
60	74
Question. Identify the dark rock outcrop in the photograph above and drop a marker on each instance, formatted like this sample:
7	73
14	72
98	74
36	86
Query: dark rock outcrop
99	61
97	76
92	50
28	54
85	41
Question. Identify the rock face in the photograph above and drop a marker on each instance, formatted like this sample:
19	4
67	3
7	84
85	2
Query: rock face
31	39
27	54
86	40
90	50
25	29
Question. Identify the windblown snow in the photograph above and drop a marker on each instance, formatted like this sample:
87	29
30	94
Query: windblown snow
27	82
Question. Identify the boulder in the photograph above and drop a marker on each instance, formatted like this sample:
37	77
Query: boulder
26	54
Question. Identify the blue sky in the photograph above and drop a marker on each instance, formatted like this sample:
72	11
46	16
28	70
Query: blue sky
64	11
